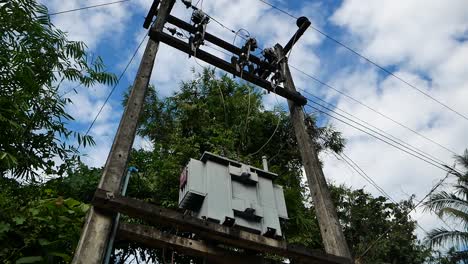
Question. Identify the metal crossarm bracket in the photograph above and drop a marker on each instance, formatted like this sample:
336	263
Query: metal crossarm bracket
243	60
200	21
226	66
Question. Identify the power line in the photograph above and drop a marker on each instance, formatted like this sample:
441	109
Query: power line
380	136
440	166
372	109
405	215
364	175
115	86
272	135
413	148
374	63
279	9
427	156
85	7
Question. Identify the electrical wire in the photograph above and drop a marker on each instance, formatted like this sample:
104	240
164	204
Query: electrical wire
374	127
388	72
273	134
440	166
372	109
83	8
354	166
363	174
115	86
279	9
71	89
416	153
372	244
426	158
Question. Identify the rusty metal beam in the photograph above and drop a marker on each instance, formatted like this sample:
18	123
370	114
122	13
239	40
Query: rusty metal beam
154	238
151	13
226	66
209	230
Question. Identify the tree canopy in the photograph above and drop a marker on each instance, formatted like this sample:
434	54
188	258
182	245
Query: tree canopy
36	59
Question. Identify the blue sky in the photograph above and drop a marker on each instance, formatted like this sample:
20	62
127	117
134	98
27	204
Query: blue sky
424	42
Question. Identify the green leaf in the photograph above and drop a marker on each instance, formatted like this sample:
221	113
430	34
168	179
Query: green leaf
70	202
19	220
44	242
34	211
4	227
84	207
32	259
64	256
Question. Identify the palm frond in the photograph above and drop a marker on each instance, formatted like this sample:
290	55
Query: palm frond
443	199
461	190
463	159
441	236
455	215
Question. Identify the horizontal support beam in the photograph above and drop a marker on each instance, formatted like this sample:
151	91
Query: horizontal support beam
208	230
226	66
154	238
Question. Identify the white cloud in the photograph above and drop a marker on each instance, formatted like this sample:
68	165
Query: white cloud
424	47
417	33
90	25
86	106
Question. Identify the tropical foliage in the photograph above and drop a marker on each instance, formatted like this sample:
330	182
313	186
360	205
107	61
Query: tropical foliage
35	60
378	230
38	225
453	206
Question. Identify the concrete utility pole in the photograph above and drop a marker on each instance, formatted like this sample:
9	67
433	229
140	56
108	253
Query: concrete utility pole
98	225
332	234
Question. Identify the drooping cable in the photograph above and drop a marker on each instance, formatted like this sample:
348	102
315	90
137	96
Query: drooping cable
372	244
85	7
439	166
416	149
354	166
372	109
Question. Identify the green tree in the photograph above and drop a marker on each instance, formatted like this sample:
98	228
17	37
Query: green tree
225	117
453	206
366	218
38	225
35	60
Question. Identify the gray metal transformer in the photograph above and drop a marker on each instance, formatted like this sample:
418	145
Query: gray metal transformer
234	194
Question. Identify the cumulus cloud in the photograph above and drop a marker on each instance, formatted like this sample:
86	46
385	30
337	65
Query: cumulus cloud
425	49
